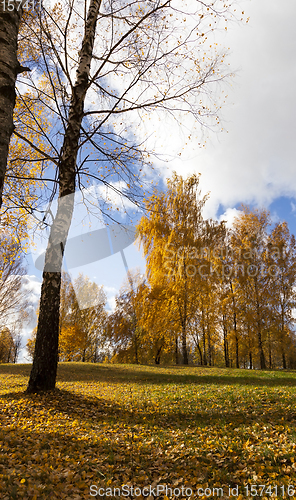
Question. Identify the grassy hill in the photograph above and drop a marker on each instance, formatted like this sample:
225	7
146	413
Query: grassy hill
196	431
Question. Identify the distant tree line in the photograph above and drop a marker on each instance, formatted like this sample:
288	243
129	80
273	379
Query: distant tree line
81	336
212	295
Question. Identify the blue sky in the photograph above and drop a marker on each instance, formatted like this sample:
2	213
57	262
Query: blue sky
253	161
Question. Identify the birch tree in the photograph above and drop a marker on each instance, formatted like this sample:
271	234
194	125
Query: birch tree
173	227
249	240
43	374
282	258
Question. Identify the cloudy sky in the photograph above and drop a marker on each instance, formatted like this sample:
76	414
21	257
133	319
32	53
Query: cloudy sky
253	160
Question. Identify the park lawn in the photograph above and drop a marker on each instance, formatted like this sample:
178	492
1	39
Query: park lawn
113	425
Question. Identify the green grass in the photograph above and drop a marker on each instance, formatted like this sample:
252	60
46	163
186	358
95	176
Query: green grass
110	425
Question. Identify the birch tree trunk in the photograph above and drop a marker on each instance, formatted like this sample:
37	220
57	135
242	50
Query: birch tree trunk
44	369
9	69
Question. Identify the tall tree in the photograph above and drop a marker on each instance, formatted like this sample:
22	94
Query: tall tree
282	265
249	240
43	374
172	234
123	324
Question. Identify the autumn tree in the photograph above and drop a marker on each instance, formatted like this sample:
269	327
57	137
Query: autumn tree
249	242
282	260
87	316
159	325
173	235
6	346
256	267
23	187
124	328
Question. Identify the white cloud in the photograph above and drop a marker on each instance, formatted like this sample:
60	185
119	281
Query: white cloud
255	161
31	283
229	216
111	293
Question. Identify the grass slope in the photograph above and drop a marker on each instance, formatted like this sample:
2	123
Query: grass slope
114	425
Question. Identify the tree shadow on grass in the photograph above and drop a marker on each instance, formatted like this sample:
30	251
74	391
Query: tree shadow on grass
154	375
140	374
96	411
55	462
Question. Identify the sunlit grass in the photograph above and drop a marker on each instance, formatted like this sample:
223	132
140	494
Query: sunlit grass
111	425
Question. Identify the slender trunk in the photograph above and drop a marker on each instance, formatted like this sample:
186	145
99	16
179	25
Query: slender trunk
157	355
225	343
261	352
283	337
236	341
209	346
136	349
203	339
176	351
269	351
44	369
184	346
184	320
284	361
95	353
251	360
196	340
259	334
235	327
9	69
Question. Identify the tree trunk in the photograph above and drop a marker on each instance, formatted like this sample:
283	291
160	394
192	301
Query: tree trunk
259	334
236	341
209	346
261	352
199	349
9	69
136	349
284	361
157	356
176	351
44	369
235	327
225	343
269	351
283	337
251	360
204	339
184	346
